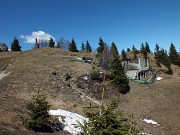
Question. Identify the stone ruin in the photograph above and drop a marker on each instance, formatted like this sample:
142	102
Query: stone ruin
138	70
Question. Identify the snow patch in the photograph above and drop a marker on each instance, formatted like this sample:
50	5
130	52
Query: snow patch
144	133
150	122
69	120
85	77
79	58
3	75
159	78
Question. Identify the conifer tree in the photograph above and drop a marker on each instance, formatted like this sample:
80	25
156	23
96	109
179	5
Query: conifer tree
51	43
38	113
128	50
124	56
105	122
142	48
82	47
72	46
101	43
118	76
173	55
15	45
164	59
134	50
88	47
113	51
157	55
147	47
144	52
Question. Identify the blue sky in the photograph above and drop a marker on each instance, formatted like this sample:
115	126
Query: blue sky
126	22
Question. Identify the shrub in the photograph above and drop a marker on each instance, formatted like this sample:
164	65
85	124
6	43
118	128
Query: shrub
169	71
38	113
95	74
106	121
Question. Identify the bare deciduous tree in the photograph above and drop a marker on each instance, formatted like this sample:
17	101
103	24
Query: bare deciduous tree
63	44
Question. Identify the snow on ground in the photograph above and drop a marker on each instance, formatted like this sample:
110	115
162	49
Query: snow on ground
85	77
79	58
159	78
144	133
69	120
150	122
2	74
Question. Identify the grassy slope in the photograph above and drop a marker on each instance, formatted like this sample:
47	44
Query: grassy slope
32	72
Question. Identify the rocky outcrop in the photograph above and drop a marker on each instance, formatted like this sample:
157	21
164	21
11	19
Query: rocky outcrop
3	47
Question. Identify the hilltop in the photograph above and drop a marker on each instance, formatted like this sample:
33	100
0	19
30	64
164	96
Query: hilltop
45	70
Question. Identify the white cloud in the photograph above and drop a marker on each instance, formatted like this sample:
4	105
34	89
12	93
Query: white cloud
40	35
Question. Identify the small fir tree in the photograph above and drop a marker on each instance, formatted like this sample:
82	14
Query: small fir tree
105	121
88	47
51	43
144	52
173	55
72	46
157	55
124	56
128	50
101	43
142	48
118	76
113	51
38	113
82	46
134	50
15	45
147	47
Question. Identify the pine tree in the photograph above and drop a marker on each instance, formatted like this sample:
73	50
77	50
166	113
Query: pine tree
164	59
88	47
101	43
15	45
118	76
38	113
134	50
82	47
51	43
128	50
105	122
144	52
124	56
113	51
147	48
72	46
142	48
173	55
157	55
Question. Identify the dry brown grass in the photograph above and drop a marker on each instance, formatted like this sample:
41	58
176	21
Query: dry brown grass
32	71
